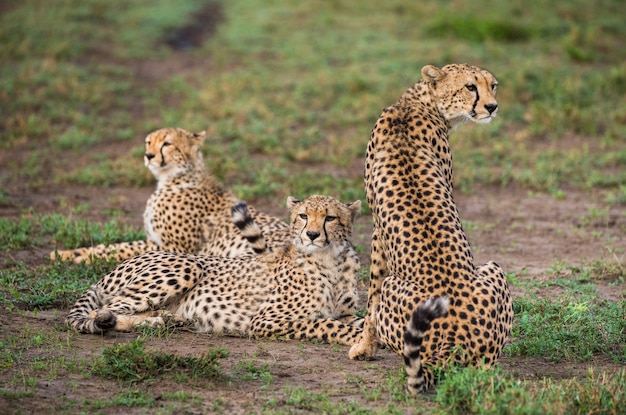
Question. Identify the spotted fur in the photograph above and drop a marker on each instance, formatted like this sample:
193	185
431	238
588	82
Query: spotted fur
189	212
419	248
305	290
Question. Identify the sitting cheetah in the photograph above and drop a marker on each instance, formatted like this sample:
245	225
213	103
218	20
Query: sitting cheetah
189	212
427	300
306	289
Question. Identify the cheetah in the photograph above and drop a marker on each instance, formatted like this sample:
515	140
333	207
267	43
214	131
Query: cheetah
307	289
189	212
427	301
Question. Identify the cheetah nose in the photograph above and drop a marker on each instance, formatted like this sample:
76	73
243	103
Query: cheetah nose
491	108
312	235
149	156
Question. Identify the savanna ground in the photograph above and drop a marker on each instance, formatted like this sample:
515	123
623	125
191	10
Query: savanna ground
288	92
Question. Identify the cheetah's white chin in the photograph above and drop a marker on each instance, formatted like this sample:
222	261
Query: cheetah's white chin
313	246
484	120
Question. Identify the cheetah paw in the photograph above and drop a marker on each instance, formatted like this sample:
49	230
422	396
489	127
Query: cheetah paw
363	350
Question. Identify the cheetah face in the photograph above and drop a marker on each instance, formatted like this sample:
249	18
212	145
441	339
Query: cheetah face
463	92
171	150
321	222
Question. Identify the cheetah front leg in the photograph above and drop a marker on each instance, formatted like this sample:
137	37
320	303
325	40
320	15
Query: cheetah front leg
327	330
368	345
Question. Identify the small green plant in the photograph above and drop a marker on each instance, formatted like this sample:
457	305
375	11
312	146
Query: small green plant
164	331
130	363
301	398
129	398
106	173
247	370
617	196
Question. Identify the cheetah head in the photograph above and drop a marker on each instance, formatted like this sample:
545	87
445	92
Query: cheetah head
170	151
462	92
319	222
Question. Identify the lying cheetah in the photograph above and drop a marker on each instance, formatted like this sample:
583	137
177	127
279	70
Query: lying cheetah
427	300
307	289
189	212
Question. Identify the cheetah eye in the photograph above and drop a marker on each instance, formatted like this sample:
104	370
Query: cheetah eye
166	144
494	87
303	216
331	218
471	87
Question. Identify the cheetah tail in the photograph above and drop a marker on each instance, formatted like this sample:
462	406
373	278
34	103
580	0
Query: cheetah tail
87	317
248	227
419	323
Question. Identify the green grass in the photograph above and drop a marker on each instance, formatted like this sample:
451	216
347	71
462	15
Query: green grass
131	363
36	230
129	398
480	391
23	287
248	370
285	93
569	328
565	318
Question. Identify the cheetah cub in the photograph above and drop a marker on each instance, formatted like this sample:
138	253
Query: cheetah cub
427	299
189	212
305	290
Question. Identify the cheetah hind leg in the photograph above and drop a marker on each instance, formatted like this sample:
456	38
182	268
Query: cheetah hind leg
118	252
405	313
105	320
492	280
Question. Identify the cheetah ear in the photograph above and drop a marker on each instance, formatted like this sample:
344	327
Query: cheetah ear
291	202
432	74
354	208
197	138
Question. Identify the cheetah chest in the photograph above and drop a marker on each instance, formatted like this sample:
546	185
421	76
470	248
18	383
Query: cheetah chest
148	222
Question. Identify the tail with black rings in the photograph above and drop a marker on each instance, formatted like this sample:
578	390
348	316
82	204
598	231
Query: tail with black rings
248	227
419	323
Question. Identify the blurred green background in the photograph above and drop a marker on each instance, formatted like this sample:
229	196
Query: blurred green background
288	90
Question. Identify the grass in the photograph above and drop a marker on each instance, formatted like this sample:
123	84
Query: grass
569	328
36	230
130	363
22	286
285	93
565	319
288	92
477	391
